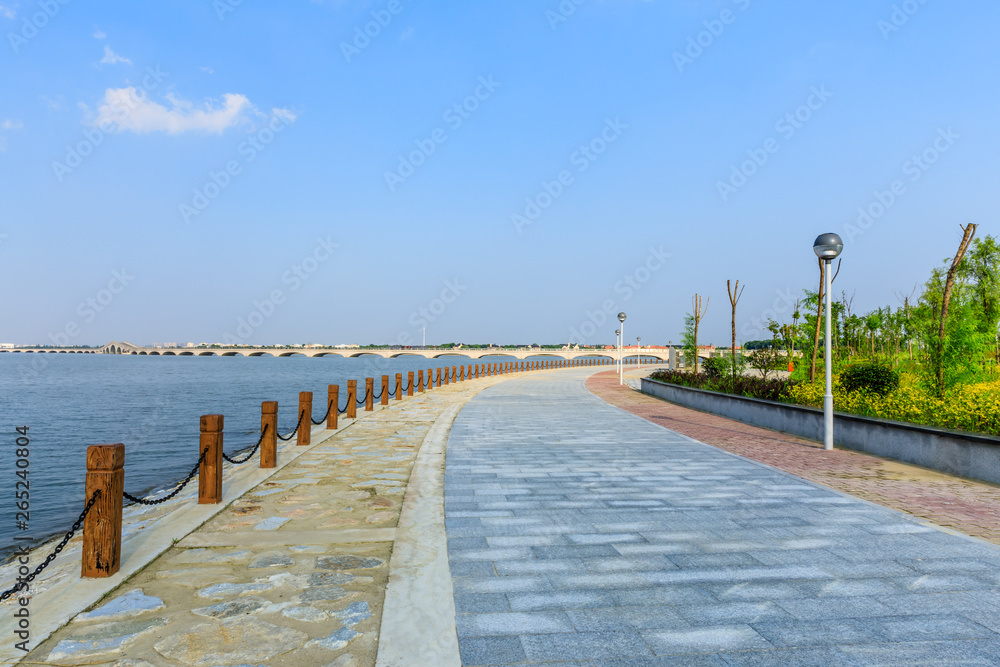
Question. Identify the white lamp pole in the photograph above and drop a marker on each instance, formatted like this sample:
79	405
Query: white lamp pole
828	247
621	346
638	352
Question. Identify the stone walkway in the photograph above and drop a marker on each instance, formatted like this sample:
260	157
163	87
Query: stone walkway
579	534
964	505
293	573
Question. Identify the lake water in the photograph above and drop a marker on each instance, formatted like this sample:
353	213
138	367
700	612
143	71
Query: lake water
153	406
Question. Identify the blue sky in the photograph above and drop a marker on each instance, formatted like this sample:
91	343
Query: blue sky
264	172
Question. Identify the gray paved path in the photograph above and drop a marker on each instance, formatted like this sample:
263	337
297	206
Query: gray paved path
579	534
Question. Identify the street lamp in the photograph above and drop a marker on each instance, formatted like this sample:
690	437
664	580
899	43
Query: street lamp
828	247
638	352
618	336
621	341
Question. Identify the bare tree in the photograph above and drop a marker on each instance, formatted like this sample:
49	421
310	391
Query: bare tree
968	232
734	297
698	313
905	300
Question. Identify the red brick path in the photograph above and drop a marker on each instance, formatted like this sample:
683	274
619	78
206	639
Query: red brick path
969	507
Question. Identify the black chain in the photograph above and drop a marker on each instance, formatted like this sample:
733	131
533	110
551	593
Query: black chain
379	397
343	410
194	471
326	416
297	426
364	399
23	584
252	451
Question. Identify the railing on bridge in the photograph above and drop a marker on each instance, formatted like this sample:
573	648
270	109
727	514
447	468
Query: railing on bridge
101	519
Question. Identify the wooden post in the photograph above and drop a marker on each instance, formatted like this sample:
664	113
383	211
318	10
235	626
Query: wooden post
454	374
352	399
476	374
304	436
369	394
333	400
269	446
102	529
447	375
420	374
461	373
409	389
430	378
210	472
399	386
385	390
439	376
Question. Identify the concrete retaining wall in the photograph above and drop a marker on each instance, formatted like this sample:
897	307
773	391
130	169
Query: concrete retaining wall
954	452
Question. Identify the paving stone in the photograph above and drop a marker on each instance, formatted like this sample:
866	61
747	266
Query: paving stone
491	650
354	613
271	523
234	641
337	640
238	607
102	639
584	646
271	560
220	591
513	623
305	613
132	603
322	594
348	563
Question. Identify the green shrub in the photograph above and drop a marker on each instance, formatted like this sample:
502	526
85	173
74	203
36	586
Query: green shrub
722	366
751	387
875	378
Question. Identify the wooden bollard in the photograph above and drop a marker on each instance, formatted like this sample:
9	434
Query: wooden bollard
420	375
430	378
352	399
454	374
447	375
439	376
333	401
210	471
369	394
399	386
409	389
304	436
269	445
102	529
385	390
476	374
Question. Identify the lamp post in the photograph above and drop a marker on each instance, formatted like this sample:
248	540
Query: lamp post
828	247
618	339
638	352
621	341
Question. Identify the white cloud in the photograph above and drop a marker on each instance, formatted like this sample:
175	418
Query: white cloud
110	57
407	34
99	34
8	124
208	70
129	111
8	11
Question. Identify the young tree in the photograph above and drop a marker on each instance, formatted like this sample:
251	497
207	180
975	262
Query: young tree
949	285
734	297
698	312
